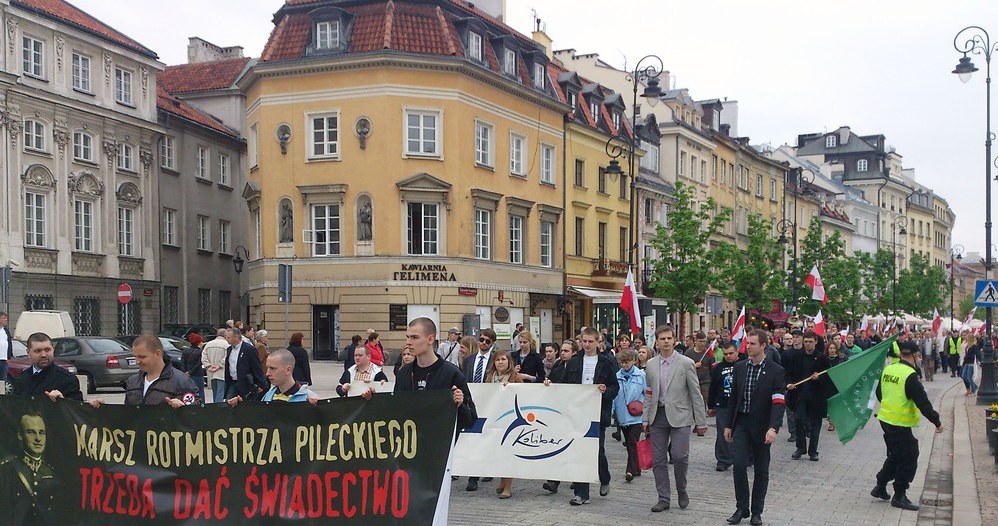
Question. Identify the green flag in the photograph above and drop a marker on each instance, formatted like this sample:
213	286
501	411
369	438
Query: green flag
856	380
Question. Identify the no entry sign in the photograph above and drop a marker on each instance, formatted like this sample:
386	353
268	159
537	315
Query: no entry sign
124	293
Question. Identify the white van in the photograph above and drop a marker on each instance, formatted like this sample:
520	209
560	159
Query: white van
55	323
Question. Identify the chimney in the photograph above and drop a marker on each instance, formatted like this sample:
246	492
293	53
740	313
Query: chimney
200	50
542	38
843	134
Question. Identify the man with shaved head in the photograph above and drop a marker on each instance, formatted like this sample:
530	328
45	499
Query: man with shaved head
283	387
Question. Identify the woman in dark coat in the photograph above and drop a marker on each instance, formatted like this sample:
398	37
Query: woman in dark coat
531	362
302	372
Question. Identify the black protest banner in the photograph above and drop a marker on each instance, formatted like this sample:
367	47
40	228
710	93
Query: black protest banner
344	461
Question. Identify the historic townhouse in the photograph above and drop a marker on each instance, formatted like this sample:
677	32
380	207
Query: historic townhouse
407	159
942	231
79	203
202	158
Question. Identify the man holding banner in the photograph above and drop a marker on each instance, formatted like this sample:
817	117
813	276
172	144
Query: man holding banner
429	372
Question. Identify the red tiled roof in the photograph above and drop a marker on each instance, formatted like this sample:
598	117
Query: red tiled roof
67	13
170	104
201	76
554	70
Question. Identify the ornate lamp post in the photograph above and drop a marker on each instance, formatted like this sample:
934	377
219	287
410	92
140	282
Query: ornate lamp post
955	254
648	69
976	40
897	227
237	263
786	225
801	177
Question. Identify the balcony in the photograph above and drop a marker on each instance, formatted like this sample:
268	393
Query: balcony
603	267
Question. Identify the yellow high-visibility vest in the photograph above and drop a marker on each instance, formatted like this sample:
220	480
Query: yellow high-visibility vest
895	406
955	344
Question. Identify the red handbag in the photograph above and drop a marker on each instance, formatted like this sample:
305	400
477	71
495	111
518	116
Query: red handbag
645	461
636	408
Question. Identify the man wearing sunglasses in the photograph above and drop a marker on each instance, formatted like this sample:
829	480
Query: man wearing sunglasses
474	370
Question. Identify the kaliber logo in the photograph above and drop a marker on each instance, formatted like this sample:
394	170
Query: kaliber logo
534	431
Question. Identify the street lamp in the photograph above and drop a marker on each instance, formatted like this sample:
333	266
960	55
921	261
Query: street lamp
237	263
801	177
955	253
897	227
783	227
648	69
974	39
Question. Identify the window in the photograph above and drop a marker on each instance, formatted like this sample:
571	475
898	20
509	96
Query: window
123	86
693	167
126	231
649	211
547	243
224	306
831	141
624	243
601	239
167	153
758	186
421	133
257	235
204	233
547	163
724	172
37	302
772	189
83	146
83	220
483	234
475	46
87	319
664	215
34	135
509	62
580	173
703	171
682	163
861	165
253	146
622	187
422	228
573	100
169	227
126	157
540	72
224	170
81	72
204	305
616	119
580	235
327	35
594	109
731	173
650	160
601	182
32	55
484	149
517	154
34	219
201	171
713	168
515	239
224	237
324	136
326	230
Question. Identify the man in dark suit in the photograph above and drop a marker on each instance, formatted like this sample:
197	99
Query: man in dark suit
474	369
758	392
243	371
45	377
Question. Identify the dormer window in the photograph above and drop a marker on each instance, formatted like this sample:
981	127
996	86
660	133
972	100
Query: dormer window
861	165
573	100
509	62
831	141
475	46
539	73
616	120
594	109
327	35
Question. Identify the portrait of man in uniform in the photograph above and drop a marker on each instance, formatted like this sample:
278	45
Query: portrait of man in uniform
27	482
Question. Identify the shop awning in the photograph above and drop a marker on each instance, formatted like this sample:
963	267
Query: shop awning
602	296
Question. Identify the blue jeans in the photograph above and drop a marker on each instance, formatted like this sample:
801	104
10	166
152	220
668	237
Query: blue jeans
3	370
967	374
218	390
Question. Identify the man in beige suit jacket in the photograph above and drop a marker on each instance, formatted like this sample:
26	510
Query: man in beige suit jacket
673	404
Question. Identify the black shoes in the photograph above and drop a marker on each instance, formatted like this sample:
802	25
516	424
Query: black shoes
756	520
628	477
604	490
616	435
487	479
684	499
901	501
661	505
797	454
793	438
472	486
722	466
551	486
738	516
880	492
813	457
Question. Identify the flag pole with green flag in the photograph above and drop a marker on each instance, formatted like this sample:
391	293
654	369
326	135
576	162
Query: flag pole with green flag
856	379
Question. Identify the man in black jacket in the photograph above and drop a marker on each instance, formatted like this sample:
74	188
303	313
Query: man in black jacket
428	371
719	401
45	377
592	368
243	370
758	392
808	400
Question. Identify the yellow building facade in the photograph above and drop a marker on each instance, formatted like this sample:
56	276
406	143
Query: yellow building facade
415	174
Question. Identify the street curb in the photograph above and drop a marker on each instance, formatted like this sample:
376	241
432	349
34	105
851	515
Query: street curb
966	504
927	435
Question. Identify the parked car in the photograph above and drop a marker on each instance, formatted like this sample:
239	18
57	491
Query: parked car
16	366
105	362
55	323
183	330
19	348
173	347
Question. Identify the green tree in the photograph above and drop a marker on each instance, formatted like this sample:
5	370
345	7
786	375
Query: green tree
823	252
920	287
684	271
752	277
875	273
964	307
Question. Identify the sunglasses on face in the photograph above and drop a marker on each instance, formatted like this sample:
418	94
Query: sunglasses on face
485	340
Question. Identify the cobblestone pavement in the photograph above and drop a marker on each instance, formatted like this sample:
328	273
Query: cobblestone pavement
985	467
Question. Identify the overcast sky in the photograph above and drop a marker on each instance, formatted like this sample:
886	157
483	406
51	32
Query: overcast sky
794	66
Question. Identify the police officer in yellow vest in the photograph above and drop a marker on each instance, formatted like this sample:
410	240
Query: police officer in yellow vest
953	345
901	397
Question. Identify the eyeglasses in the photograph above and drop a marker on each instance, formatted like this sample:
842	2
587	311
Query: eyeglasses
485	340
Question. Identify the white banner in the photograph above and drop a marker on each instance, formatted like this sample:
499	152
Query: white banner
360	387
532	431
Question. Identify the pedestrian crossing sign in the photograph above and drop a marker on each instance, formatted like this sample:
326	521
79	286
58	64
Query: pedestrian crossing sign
986	293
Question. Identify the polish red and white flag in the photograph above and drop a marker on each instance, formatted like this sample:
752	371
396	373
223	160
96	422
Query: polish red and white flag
864	326
738	331
819	324
629	303
814	280
937	322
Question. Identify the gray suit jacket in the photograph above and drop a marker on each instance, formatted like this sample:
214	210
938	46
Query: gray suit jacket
684	402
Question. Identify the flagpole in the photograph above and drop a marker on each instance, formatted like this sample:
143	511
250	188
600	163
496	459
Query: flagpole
808	379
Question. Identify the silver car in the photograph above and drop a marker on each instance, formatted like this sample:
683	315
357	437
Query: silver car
105	362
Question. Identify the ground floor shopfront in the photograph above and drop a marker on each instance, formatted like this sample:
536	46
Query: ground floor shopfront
334	299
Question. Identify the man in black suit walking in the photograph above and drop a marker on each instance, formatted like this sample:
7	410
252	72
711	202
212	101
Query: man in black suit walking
758	392
474	370
243	371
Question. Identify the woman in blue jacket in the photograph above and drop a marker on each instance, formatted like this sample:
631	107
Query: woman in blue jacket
632	389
